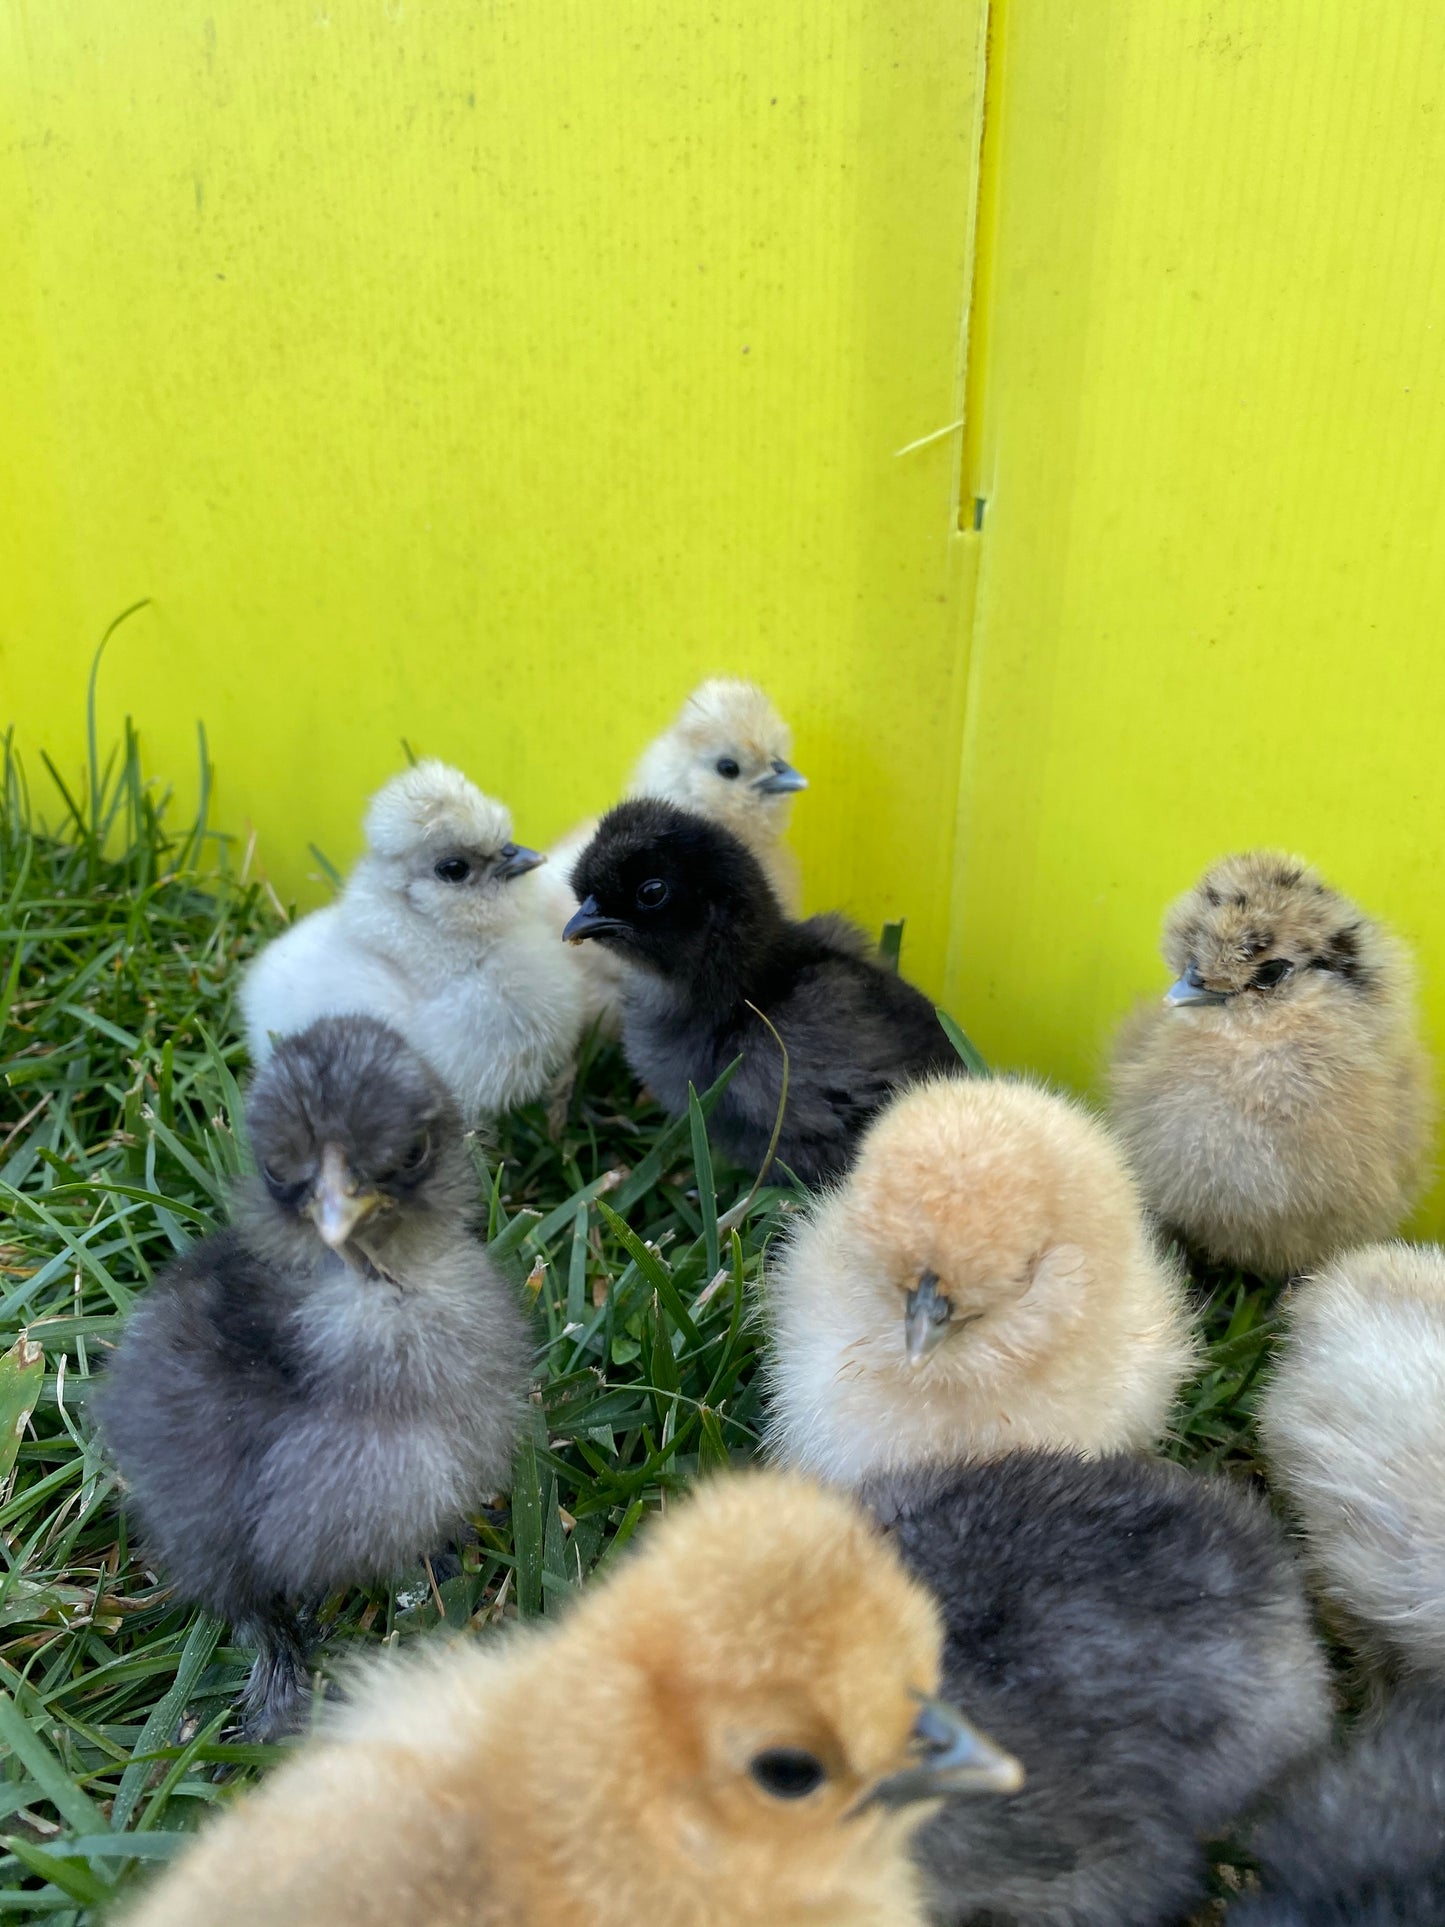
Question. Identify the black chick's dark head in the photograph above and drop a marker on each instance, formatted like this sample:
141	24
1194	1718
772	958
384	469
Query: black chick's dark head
662	886
352	1130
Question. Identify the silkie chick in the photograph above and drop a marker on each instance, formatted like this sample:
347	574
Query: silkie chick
689	910
1138	1637
330	1389
982	1281
1358	1839
726	756
1276	1104
1353	1425
734	1729
433	935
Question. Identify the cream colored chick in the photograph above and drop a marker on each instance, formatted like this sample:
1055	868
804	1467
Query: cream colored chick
735	1730
983	1281
724	756
1276	1104
433	935
1354	1430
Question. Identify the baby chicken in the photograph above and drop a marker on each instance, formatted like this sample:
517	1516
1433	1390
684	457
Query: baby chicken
983	1281
328	1390
726	757
1276	1104
1354	1429
688	908
1359	1840
735	1729
1138	1637
432	935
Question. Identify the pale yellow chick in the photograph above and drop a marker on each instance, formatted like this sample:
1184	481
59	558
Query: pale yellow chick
1276	1104
1354	1430
728	1732
726	756
983	1281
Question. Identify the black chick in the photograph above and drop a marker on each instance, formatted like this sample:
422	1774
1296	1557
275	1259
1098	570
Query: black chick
1138	1639
325	1392
1358	1840
682	900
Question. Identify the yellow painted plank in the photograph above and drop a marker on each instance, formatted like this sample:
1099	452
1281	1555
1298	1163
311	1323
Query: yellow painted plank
485	375
1213	562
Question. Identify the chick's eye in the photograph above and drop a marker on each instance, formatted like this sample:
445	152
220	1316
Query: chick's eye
417	1156
1272	973
452	869
787	1772
652	894
727	767
273	1177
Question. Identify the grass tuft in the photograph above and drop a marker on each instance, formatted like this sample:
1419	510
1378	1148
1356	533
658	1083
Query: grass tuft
122	937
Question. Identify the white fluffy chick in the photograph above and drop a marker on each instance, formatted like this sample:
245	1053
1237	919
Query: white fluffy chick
433	935
725	755
982	1282
1354	1431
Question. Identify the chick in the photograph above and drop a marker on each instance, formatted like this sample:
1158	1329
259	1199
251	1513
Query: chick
983	1281
330	1388
1354	1430
726	757
688	908
1137	1636
1359	1840
432	935
734	1730
1276	1104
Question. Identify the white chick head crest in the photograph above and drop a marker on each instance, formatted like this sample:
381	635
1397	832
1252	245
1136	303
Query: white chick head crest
726	756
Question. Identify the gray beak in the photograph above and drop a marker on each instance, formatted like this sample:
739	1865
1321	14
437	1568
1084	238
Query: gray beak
954	1757
340	1204
1189	990
927	1311
515	859
781	780
588	921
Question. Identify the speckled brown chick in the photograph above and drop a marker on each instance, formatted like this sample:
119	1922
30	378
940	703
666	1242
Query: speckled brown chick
1276	1103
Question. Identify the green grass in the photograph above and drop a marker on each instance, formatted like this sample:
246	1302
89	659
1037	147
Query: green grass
121	940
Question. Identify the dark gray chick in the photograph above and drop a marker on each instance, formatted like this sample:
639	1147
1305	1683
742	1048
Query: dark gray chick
325	1392
1358	1840
681	900
1137	1638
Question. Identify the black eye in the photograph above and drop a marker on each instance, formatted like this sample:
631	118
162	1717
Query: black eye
417	1156
452	869
1271	973
727	767
652	894
787	1772
273	1178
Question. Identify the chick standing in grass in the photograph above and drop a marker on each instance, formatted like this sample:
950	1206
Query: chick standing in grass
734	1730
330	1389
1276	1104
1359	1839
726	757
982	1281
1138	1638
689	910
1354	1430
433	935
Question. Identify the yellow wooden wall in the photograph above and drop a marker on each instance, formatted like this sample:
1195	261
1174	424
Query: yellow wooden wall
484	374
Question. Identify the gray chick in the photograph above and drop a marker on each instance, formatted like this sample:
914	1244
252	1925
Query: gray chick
1358	1840
328	1390
687	908
1138	1639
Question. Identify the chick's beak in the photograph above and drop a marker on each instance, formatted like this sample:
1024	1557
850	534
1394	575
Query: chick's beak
953	1757
926	1314
588	921
339	1206
781	779
515	859
1190	989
